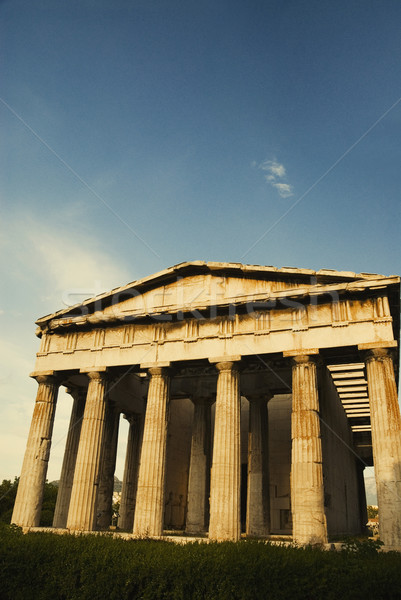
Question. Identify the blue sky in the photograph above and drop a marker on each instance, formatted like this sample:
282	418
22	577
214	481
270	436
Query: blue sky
139	134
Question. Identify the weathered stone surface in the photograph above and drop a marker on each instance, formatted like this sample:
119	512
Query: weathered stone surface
249	320
84	495
270	312
341	494
198	486
148	519
70	458
386	437
28	502
178	451
307	490
258	501
226	474
131	471
104	508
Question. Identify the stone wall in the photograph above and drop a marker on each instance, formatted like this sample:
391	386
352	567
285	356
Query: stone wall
279	410
177	462
339	463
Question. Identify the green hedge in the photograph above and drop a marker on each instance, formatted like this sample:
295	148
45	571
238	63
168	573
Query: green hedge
45	566
8	492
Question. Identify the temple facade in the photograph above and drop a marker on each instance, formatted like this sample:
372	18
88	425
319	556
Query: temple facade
255	398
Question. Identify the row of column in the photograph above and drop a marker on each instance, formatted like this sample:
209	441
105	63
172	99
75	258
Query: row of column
225	474
307	488
86	480
84	500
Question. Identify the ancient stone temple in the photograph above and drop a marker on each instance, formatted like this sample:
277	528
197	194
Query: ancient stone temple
255	398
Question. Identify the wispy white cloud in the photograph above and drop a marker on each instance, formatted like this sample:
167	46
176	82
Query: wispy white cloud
275	168
45	264
52	261
74	263
284	189
275	172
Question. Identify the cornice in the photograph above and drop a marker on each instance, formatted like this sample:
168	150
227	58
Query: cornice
262	301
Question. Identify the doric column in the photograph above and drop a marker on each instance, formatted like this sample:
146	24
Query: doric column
198	480
386	441
258	497
226	466
70	457
82	511
149	509
307	491
363	509
104	507
131	467
28	503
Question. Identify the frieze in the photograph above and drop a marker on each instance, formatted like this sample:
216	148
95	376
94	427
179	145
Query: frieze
381	309
98	339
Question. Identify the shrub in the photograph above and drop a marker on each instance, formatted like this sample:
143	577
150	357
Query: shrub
363	547
8	492
45	566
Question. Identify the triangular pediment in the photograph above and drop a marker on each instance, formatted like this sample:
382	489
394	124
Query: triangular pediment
198	285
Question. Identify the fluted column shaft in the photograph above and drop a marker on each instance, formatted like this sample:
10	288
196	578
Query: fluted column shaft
28	502
104	507
363	509
82	511
70	458
149	509
386	441
131	468
258	494
307	490
198	480
226	466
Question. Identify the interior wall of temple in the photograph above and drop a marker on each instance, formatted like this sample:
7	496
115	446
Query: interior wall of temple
244	459
279	415
339	463
177	462
244	430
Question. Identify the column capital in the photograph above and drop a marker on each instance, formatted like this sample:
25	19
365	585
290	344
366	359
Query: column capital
46	377
227	366
158	371
96	375
370	354
76	390
306	359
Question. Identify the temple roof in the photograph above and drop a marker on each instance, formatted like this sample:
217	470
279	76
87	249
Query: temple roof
293	282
